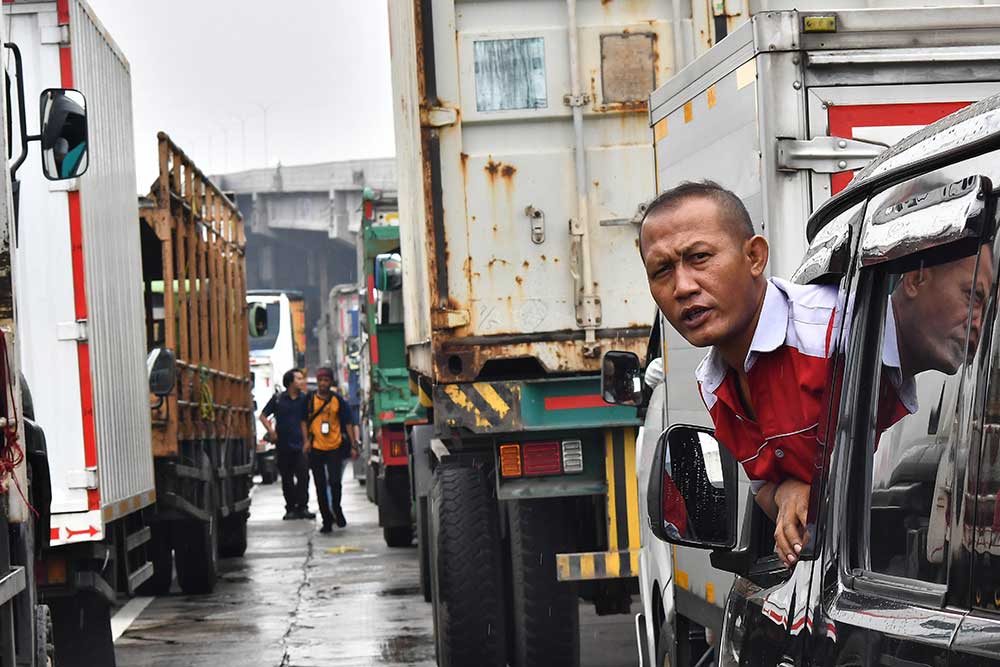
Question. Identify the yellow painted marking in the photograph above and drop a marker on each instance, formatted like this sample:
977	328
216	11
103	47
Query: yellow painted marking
746	74
633	556
425	400
819	24
710	592
710	94
493	398
392	217
562	567
613	564
587	566
343	550
660	130
681	577
688	111
609	470
632	489
462	401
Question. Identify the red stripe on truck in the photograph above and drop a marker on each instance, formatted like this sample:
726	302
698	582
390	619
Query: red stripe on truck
843	120
574	402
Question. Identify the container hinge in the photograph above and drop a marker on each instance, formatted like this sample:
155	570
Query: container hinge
55	34
588	311
438	117
826	155
442	318
82	479
72	331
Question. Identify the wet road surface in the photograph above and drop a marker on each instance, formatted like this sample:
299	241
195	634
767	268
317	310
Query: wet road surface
302	599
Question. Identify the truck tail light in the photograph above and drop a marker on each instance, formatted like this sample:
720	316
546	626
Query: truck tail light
572	456
541	458
510	460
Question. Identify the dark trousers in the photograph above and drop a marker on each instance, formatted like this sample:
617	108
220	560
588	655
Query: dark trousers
327	469
294	471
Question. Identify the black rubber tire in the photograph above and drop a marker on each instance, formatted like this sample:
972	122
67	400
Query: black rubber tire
397	536
467	570
268	476
196	554
233	535
664	646
161	555
423	549
691	641
81	628
545	612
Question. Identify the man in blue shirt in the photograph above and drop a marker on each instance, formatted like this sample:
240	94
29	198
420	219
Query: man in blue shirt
288	431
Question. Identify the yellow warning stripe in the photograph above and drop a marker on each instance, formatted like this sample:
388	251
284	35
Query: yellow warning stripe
459	398
492	397
609	469
597	565
632	488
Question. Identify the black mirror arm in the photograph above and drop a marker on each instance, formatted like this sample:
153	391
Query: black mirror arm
21	116
737	561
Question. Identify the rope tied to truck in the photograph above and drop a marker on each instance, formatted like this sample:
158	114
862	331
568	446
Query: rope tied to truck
206	404
11	453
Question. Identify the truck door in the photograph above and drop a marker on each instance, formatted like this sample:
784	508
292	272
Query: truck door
876	117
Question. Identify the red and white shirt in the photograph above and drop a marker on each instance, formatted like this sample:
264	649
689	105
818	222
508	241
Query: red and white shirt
789	371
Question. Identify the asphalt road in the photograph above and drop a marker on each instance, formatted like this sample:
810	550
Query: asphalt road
302	599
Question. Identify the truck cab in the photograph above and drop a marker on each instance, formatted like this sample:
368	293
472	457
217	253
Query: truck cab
897	566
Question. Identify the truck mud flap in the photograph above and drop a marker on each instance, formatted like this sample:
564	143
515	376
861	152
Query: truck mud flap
622	557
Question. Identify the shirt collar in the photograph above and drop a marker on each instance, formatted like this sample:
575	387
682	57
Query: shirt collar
772	327
906	388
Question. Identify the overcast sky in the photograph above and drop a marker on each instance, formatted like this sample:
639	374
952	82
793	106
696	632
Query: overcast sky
320	68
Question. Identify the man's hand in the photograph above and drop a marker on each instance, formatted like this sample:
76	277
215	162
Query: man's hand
792	501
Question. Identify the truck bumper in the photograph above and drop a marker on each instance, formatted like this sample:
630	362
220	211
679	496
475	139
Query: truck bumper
597	565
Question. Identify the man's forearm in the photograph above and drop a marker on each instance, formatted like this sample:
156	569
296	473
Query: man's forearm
765	500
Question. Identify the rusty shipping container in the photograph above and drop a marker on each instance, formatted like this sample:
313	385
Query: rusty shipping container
194	274
521	218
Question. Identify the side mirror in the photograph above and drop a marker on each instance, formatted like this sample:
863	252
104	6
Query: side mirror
161	365
257	320
693	493
621	378
388	272
64	133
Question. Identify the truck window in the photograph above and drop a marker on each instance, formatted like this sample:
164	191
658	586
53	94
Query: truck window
267	340
932	323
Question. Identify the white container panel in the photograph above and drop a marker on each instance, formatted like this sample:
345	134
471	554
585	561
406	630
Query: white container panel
113	263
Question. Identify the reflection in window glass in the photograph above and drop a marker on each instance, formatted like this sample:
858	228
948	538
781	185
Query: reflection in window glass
269	336
932	327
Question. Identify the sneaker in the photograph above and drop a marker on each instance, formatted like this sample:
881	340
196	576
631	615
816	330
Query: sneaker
289	515
306	514
327	528
341	521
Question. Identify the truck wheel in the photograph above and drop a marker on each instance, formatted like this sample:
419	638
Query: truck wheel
692	644
423	551
161	555
45	649
233	537
467	570
81	628
398	536
665	646
546	612
197	556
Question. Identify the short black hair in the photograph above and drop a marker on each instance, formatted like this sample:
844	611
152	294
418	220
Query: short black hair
289	377
727	201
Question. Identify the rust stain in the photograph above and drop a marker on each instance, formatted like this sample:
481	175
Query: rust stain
526	264
544	258
507	171
605	3
497	260
495	229
519	280
492	168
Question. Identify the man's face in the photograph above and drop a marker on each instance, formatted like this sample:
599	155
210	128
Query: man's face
939	299
323	383
700	273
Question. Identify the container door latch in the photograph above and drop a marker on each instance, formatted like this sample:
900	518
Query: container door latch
537	219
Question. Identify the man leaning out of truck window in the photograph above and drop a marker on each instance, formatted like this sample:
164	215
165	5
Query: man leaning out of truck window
768	363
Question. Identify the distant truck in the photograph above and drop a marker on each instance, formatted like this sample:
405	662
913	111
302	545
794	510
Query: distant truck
79	302
194	279
343	331
523	156
275	349
387	401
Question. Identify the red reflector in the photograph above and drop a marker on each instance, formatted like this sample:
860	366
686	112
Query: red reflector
397	448
369	212
387	415
541	458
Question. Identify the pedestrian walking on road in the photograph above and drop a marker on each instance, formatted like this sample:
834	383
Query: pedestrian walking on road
288	429
331	441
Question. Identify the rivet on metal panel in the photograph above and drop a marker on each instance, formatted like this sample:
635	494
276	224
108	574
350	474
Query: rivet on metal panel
797	85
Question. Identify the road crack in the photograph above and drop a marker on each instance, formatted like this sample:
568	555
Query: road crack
299	595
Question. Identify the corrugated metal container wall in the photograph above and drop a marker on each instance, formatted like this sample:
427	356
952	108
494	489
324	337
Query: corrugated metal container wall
486	153
113	263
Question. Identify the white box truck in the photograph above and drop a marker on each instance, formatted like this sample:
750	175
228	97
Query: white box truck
80	304
783	111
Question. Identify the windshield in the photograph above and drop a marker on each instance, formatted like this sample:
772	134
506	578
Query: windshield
269	337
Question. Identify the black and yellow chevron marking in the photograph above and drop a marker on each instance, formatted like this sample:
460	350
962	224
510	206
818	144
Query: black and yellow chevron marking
623	489
481	407
597	565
